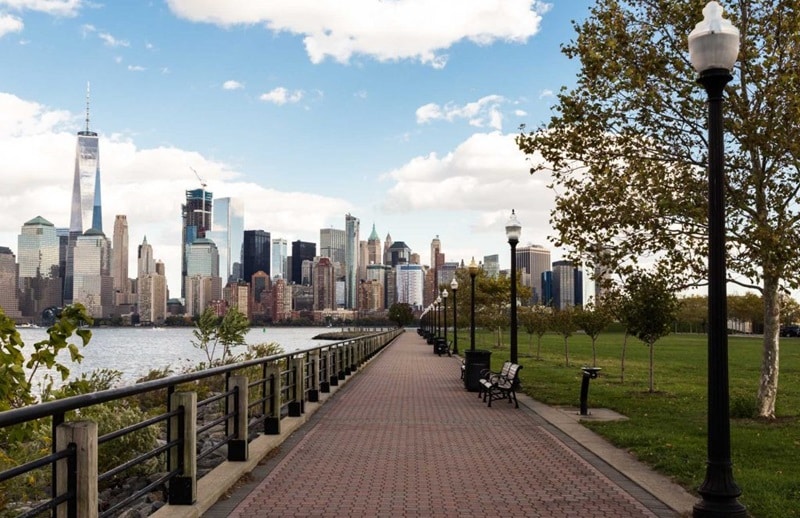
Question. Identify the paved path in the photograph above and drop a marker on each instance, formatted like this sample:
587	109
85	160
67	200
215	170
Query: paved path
404	439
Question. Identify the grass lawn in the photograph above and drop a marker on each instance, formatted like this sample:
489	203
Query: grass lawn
667	428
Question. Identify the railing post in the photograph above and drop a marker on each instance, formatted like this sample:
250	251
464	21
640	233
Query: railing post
183	428
297	405
313	363
272	423
334	355
324	380
83	435
237	447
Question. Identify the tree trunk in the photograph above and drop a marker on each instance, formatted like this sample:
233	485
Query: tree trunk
539	348
652	367
622	366
768	385
566	350
594	351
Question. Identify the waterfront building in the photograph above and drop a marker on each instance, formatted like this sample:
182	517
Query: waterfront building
491	265
351	228
237	295
370	297
332	244
260	285
301	251
152	296
280	251
227	231
92	283
256	253
86	207
377	273
200	291
196	215
281	301
324	284
363	260
9	301
567	285
39	278
533	260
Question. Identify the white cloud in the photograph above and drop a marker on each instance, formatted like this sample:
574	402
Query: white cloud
232	85
9	24
385	31
520	113
53	7
37	150
111	41
481	113
136	68
281	95
546	93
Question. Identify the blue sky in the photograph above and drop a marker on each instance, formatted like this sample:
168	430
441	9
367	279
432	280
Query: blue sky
400	112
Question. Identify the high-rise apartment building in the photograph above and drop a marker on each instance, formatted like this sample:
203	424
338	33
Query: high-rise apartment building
237	295
437	259
152	296
8	283
533	261
410	280
280	251
86	209
332	244
196	215
92	283
256	255
399	253
324	285
351	228
38	246
491	265
227	231
301	251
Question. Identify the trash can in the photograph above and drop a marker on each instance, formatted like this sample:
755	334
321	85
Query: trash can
440	346
475	361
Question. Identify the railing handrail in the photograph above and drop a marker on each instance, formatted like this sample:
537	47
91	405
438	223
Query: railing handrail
60	406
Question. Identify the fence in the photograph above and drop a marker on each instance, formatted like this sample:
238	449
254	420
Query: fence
255	396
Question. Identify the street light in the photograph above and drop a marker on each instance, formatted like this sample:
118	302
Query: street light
454	287
513	231
713	50
444	300
438	316
473	271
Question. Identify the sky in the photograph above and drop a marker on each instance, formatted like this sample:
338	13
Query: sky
402	113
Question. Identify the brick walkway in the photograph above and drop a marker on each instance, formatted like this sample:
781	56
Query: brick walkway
404	438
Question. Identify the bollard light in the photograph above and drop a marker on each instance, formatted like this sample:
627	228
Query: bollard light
713	50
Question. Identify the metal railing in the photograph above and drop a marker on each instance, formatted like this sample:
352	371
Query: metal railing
255	396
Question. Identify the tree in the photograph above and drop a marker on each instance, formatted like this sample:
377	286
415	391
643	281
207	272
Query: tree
401	314
536	320
650	308
627	151
593	319
563	322
227	332
693	311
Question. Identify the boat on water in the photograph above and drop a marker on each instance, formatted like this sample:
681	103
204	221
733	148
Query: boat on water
28	325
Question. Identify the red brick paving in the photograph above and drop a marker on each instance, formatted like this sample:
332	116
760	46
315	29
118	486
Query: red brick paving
405	439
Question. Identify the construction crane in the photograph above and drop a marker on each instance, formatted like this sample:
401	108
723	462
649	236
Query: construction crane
203	210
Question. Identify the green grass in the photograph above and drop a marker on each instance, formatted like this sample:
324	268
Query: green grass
667	429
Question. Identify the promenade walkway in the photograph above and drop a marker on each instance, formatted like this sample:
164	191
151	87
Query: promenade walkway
403	438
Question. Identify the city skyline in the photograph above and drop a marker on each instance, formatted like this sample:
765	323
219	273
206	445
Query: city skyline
414	135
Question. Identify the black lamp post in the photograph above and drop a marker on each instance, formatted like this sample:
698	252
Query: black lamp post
444	301
473	271
438	316
454	287
713	50
513	231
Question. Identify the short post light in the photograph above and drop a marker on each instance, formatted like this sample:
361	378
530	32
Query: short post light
513	231
454	288
713	50
473	272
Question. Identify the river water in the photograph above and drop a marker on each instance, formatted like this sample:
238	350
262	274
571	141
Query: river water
135	351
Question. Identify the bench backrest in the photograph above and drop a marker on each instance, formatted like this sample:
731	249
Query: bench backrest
505	370
513	371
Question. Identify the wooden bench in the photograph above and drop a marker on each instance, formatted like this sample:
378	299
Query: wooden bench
500	385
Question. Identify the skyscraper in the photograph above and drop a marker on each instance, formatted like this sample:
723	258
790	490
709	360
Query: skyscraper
301	251
119	260
227	231
8	283
146	263
324	285
567	285
437	259
86	209
196	213
38	247
351	228
533	261
255	253
92	284
280	250
374	248
331	244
